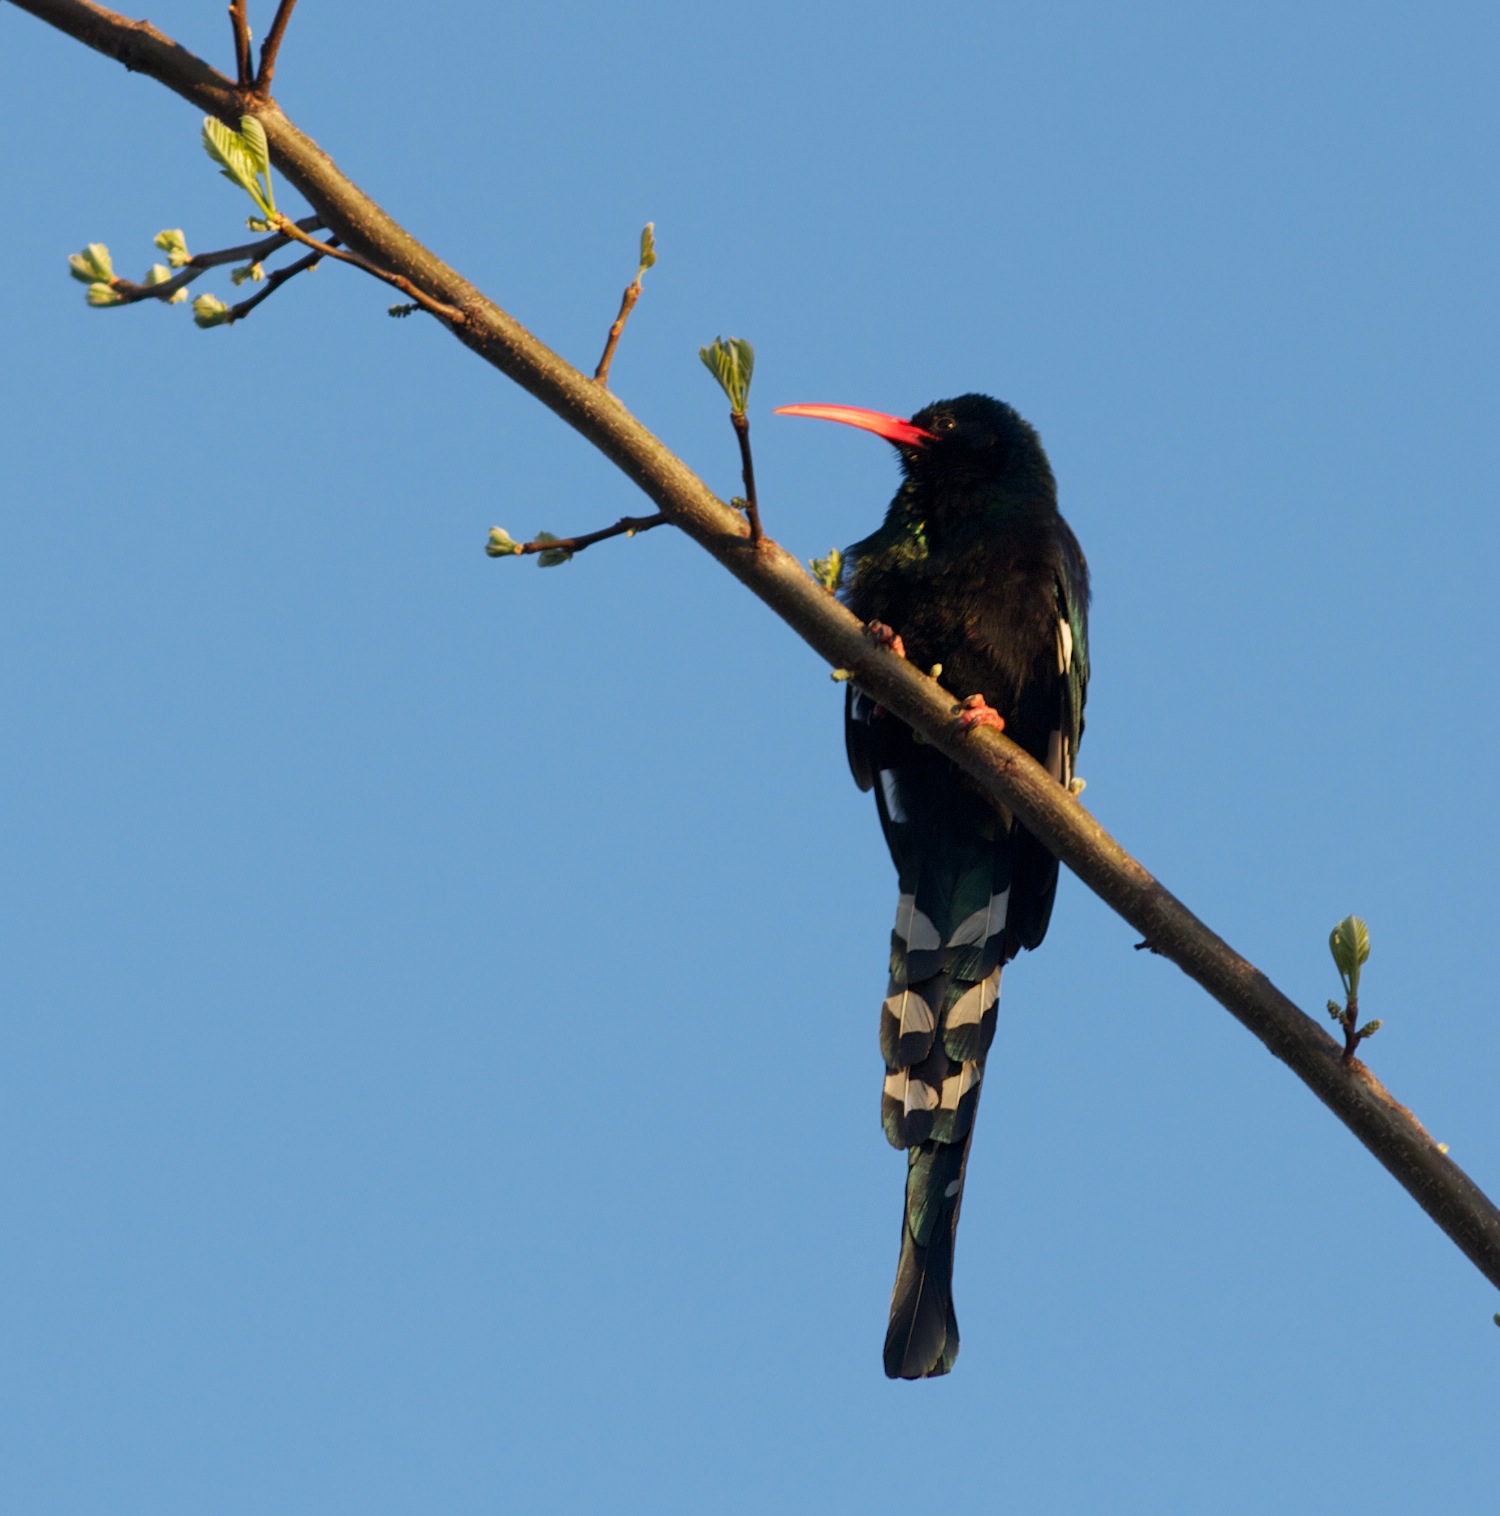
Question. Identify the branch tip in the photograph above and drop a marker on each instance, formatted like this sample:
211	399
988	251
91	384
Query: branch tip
241	26
271	47
553	550
627	303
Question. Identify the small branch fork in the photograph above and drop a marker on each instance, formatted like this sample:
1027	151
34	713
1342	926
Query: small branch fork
292	230
257	85
1347	1017
275	281
248	252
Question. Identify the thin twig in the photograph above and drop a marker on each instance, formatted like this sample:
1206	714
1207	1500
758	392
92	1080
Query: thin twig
241	24
450	313
627	304
1001	770
249	252
747	468
271	46
626	526
1352	1038
274	282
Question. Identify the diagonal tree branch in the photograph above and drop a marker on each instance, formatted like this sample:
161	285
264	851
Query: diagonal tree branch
1006	774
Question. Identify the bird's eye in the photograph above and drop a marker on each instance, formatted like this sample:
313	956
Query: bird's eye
942	425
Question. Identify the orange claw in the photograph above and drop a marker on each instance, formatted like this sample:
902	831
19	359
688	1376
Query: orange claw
976	711
881	633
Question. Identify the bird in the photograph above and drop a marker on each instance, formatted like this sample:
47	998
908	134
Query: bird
975	575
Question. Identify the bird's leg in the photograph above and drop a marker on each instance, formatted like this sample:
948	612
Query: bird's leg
976	711
880	633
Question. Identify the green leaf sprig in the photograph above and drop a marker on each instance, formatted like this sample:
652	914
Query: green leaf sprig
731	361
828	571
1349	942
244	158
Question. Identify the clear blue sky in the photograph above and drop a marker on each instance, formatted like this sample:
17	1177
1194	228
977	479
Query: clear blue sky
439	1065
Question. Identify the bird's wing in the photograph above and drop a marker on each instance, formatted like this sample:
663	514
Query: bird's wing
858	740
1073	675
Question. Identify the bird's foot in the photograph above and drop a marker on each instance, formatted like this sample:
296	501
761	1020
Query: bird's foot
976	711
880	633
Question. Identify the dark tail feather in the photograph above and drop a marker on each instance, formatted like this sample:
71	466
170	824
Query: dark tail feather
922	1338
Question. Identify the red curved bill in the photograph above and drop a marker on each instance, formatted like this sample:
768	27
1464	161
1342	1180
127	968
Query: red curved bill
892	428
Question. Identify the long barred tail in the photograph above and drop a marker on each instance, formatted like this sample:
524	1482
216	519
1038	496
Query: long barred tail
936	1026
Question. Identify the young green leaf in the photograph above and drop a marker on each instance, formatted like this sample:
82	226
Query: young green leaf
550	557
254	135
648	247
731	361
174	245
209	310
501	544
102	294
828	571
251	271
1349	942
92	265
243	157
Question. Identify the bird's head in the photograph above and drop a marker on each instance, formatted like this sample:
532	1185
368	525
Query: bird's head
961	445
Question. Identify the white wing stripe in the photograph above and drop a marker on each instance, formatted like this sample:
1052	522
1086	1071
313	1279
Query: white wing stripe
892	792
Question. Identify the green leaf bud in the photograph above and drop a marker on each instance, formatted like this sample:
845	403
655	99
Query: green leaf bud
731	361
828	571
209	310
1349	942
92	265
174	245
648	247
550	557
501	544
1369	1029
102	294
